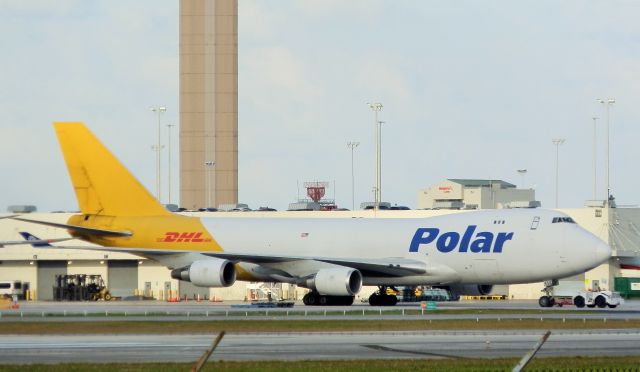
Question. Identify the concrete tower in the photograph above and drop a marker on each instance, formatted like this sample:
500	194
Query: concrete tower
208	102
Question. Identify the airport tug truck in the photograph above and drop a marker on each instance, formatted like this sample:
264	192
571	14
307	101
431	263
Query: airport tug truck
580	298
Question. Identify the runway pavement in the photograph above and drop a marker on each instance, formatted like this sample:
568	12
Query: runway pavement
323	346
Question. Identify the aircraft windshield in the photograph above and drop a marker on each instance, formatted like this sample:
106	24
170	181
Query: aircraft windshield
563	220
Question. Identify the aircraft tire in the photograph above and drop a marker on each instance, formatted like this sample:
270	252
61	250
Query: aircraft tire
375	300
390	300
310	299
601	302
544	301
340	300
348	301
325	300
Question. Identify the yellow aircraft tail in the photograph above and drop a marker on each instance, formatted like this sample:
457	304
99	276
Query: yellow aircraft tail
102	184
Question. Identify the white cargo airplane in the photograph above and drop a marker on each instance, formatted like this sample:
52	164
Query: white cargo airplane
333	257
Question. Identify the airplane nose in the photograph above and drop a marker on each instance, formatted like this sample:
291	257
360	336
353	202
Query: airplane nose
603	252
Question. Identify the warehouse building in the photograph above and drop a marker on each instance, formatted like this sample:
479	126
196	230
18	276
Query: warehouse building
475	194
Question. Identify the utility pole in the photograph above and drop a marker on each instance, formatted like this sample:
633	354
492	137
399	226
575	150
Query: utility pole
352	146
595	166
557	142
608	103
377	107
158	147
379	186
169	126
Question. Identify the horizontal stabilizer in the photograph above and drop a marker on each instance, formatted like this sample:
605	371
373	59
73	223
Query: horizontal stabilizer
80	229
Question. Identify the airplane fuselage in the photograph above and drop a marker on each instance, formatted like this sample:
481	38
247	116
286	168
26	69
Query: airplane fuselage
489	247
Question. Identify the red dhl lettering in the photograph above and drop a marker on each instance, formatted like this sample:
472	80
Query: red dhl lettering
183	237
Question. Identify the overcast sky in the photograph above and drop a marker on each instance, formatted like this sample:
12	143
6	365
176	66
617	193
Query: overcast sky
470	90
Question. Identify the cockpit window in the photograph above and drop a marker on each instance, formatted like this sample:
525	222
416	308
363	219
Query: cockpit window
563	220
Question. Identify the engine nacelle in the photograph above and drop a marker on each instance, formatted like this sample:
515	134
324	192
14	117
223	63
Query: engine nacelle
339	281
212	272
470	289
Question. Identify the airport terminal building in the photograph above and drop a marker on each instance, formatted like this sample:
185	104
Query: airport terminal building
127	275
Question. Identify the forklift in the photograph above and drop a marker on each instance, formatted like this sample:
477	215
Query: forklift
97	289
80	287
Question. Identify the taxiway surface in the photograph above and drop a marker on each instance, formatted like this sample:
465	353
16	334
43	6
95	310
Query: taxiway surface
324	346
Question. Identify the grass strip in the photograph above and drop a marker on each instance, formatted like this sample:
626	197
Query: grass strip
628	363
240	326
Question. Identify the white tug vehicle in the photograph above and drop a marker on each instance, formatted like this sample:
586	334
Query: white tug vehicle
591	298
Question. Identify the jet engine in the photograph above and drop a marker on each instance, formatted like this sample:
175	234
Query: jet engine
213	272
458	290
340	281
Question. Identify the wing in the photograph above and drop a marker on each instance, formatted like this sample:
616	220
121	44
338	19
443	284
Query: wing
390	266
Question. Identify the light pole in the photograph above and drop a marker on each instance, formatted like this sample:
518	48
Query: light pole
208	167
377	107
169	126
158	147
522	172
352	146
379	187
557	142
607	103
595	169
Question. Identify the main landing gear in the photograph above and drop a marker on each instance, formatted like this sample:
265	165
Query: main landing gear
548	300
314	298
381	298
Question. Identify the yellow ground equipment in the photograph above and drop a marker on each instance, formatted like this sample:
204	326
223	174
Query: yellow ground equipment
80	287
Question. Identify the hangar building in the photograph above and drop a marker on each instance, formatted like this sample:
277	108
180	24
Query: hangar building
475	194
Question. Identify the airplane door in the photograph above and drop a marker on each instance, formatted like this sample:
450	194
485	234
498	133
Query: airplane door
486	270
560	251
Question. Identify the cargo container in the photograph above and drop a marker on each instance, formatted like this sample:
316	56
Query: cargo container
628	287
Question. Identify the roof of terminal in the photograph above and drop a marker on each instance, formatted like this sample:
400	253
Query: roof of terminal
482	183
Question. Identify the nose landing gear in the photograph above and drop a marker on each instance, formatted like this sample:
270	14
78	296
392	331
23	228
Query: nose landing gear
548	300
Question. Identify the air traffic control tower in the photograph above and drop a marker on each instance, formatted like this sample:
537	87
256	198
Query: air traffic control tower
208	103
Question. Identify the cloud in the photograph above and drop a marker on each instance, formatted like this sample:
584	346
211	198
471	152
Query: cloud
470	89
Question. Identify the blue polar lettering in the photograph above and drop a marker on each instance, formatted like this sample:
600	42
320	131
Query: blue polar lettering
466	238
448	241
480	242
419	238
500	240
